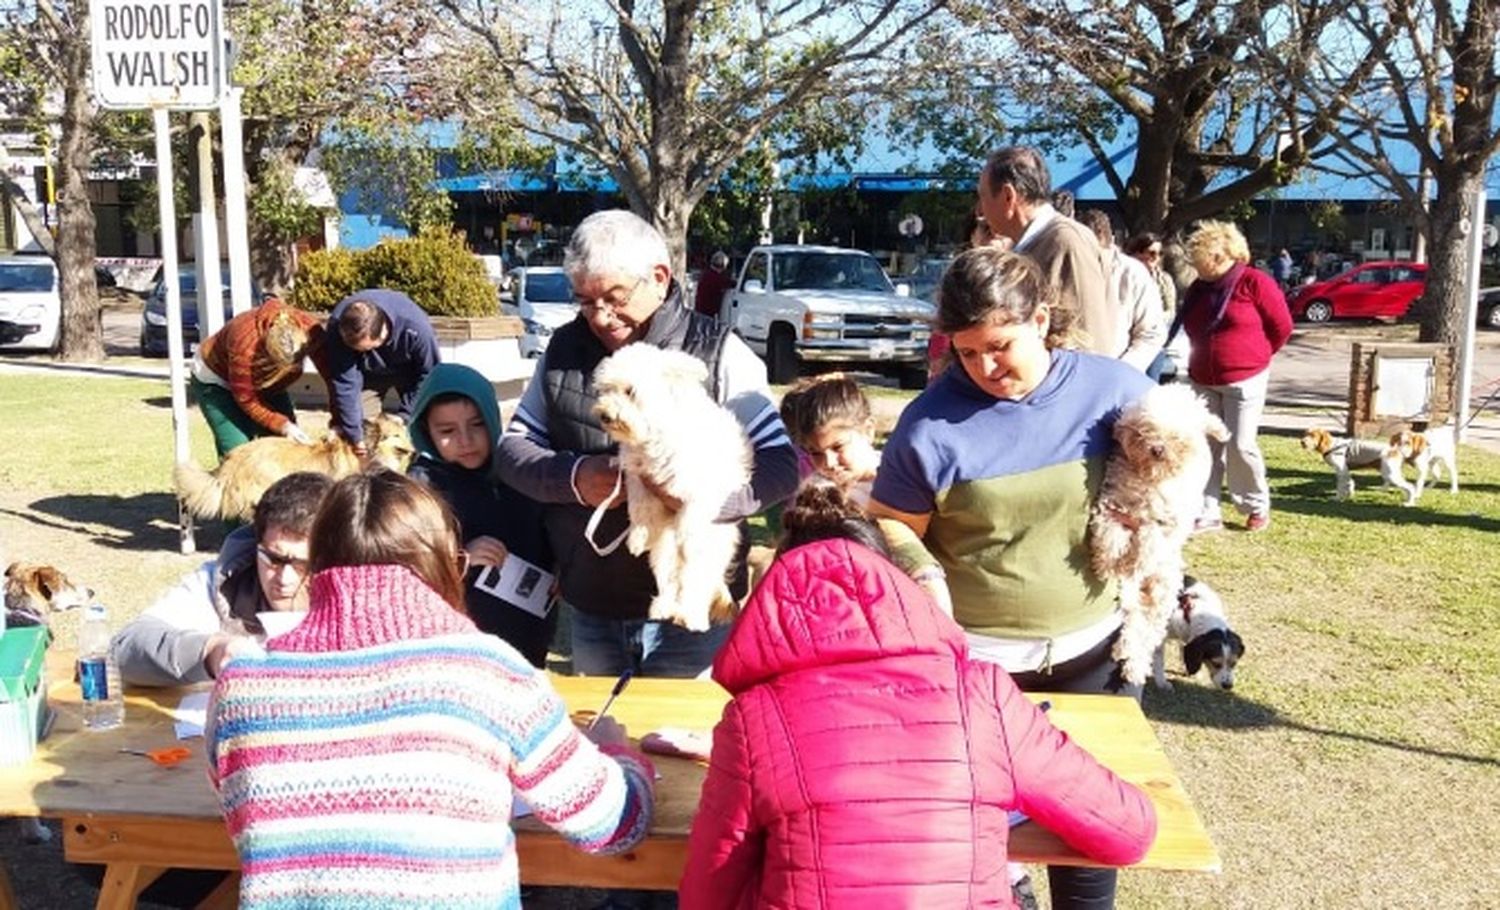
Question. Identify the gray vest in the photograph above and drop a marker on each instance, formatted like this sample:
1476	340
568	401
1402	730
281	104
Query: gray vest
617	586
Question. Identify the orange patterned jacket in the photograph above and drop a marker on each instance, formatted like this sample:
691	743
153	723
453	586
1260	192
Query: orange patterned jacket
237	354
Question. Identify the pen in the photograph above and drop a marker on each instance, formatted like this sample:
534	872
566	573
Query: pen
614	693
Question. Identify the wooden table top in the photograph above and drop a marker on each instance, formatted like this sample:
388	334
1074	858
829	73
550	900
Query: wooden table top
81	774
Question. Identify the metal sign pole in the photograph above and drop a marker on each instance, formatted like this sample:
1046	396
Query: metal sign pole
178	376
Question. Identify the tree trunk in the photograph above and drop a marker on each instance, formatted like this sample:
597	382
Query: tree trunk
671	212
82	323
1440	311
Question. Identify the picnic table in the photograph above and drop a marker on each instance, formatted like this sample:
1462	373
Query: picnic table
141	819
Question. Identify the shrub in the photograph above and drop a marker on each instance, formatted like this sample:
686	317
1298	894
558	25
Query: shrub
324	277
435	269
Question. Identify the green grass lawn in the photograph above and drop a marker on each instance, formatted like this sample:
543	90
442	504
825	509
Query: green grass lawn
1355	764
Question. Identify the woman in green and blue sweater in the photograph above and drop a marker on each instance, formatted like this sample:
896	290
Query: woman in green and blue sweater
986	484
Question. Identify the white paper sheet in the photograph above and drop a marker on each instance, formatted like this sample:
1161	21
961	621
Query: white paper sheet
191	714
520	584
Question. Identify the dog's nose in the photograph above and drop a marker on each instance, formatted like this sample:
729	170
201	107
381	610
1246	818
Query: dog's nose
1156	451
1227	684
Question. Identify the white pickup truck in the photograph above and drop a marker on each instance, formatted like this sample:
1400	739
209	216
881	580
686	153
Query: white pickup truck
797	305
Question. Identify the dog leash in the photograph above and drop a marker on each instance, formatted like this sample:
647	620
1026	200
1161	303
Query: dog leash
593	526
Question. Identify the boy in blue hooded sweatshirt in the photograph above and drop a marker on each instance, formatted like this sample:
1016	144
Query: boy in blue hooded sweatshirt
455	423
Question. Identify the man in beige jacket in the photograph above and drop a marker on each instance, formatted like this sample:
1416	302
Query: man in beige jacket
1014	200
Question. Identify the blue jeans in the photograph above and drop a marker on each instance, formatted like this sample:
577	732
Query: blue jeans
605	647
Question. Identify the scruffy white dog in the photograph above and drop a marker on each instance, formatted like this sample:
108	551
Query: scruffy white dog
1153	488
677	444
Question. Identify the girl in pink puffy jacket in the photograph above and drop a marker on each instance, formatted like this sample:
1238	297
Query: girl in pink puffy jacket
865	761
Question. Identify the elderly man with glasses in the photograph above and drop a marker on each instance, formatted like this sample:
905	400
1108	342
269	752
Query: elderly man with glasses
213	611
556	452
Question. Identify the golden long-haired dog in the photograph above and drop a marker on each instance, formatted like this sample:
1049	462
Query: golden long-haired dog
233	488
1153	488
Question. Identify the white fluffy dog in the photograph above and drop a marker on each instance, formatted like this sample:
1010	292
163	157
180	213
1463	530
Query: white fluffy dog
1153	489
677	444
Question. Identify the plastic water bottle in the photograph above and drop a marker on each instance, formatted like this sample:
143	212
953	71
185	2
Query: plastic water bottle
98	677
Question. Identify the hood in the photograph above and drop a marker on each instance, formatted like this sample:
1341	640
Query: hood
862	303
831	602
448	378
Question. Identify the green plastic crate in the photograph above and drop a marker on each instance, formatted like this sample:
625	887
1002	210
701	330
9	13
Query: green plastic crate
23	692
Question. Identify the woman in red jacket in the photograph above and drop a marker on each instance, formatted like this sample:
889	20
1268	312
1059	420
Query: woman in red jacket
1237	319
865	761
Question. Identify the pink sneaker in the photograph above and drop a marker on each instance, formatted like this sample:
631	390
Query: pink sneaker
1258	521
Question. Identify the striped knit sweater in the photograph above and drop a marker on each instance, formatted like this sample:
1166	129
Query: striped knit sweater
371	757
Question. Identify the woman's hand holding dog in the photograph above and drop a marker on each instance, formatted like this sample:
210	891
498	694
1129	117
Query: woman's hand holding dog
598	480
296	434
485	551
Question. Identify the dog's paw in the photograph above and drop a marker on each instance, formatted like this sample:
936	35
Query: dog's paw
664	610
725	609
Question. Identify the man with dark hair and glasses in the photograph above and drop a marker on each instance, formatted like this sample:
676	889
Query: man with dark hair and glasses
212	612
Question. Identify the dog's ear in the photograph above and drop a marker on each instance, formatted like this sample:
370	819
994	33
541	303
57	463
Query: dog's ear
1236	644
1214	428
48	582
1195	651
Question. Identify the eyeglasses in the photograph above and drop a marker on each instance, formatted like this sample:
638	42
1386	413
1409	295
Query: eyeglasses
615	300
280	561
1154	253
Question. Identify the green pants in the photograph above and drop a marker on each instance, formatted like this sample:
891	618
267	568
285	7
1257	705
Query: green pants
230	425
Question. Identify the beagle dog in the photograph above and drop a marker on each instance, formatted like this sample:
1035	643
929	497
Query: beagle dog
32	592
1436	446
1344	455
1199	623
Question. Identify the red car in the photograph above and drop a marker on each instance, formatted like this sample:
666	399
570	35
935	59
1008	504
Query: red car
1373	290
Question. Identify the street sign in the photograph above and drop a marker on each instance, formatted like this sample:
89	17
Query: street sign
157	54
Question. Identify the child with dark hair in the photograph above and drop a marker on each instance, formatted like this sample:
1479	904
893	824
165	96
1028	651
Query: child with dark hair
829	420
857	713
455	423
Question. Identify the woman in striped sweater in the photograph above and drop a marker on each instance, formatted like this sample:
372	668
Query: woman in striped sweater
371	757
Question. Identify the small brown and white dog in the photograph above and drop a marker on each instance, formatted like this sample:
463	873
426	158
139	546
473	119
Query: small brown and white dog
1344	455
1200	625
1431	448
33	592
233	488
676	443
1152	491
